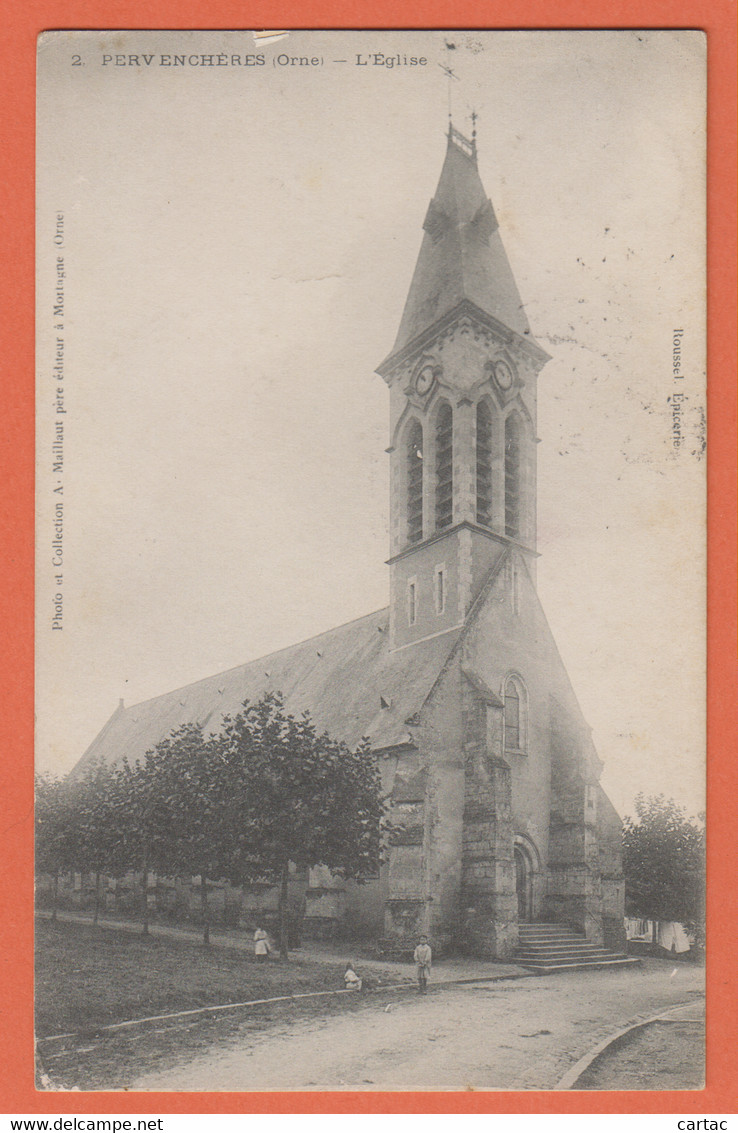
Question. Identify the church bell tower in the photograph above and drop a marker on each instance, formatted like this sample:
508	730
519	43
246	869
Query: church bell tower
462	376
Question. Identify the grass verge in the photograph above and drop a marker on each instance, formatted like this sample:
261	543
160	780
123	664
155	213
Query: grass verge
88	977
662	1055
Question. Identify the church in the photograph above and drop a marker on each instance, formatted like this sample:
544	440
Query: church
488	767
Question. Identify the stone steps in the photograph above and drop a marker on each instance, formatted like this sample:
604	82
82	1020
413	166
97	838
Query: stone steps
544	969
553	942
543	953
547	948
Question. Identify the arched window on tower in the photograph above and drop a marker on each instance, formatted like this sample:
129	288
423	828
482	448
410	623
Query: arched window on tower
513	455
484	463
415	482
444	466
515	715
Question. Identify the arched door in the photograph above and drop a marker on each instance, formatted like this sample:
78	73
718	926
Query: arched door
523	884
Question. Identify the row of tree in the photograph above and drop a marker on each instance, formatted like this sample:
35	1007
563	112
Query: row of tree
238	806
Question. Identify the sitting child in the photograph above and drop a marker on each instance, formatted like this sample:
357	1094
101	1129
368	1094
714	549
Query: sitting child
350	978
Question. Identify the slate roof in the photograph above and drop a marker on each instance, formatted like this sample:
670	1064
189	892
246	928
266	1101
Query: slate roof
461	257
341	677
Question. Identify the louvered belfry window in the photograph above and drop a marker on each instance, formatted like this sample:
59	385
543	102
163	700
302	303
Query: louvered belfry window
415	483
444	466
484	464
512	476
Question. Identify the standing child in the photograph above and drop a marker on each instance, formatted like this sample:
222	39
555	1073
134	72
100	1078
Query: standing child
423	957
261	945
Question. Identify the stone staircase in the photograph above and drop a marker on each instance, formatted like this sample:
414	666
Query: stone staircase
546	948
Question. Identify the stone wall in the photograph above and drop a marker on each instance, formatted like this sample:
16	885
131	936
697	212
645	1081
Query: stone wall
489	907
574	884
610	843
177	900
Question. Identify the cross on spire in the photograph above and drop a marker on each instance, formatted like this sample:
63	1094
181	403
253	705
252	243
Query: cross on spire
450	74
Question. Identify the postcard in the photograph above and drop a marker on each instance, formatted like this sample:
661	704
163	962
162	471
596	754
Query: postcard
371	427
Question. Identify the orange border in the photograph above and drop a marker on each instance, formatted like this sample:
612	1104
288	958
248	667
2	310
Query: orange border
17	74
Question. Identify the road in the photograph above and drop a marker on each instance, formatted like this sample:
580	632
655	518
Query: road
513	1035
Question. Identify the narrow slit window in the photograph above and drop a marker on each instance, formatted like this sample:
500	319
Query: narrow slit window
515	588
444	467
484	464
512	476
440	589
412	603
415	483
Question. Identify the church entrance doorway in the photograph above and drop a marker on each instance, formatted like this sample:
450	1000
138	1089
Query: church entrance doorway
523	884
528	877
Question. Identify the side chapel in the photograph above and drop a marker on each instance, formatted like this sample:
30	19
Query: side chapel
488	765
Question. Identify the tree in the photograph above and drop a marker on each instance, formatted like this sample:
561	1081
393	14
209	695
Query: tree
94	797
144	820
57	845
195	780
664	862
299	797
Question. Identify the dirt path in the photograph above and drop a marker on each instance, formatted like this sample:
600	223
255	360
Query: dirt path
516	1036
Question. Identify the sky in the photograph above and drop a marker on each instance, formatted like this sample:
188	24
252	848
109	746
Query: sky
238	242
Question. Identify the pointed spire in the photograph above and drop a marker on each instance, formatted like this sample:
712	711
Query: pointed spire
461	257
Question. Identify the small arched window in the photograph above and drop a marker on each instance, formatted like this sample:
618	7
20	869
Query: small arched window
514	715
484	463
444	466
415	482
513	455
